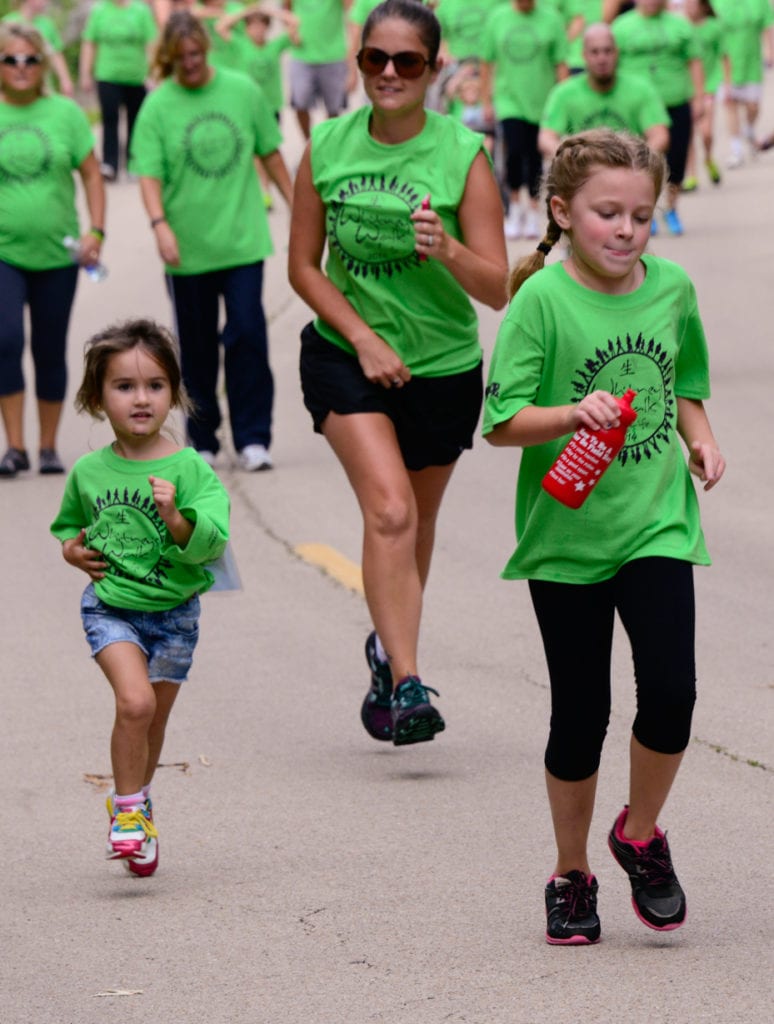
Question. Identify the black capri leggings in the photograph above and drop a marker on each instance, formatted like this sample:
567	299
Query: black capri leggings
655	600
523	162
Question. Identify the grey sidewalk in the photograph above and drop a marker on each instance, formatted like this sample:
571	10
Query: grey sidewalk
310	874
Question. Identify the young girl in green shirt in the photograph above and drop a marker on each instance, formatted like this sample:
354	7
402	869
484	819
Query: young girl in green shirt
577	335
142	518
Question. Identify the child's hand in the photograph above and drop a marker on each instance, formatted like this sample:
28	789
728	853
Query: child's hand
597	411
706	462
164	496
86	559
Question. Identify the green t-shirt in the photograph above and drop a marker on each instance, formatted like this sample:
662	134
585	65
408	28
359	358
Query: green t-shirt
111	497
200	144
262	64
41	144
560	341
226	53
121	34
369	191
744	21
660	49
711	47
322	31
525	50
462	24
45	25
631	105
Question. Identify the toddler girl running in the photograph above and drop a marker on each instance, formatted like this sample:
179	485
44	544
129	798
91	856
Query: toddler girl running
142	518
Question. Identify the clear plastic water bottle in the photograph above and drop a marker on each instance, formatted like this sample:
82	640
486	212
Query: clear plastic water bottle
95	271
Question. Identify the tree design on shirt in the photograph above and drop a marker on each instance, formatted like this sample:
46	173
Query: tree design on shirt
25	153
212	145
369	225
131	535
645	367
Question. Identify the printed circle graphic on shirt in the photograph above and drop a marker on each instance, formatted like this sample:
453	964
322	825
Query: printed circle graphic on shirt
370	226
212	145
521	45
645	367
123	541
25	153
602	118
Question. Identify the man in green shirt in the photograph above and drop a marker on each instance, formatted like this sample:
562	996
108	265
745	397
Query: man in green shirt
603	96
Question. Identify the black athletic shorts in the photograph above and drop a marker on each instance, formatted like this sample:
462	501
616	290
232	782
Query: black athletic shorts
435	418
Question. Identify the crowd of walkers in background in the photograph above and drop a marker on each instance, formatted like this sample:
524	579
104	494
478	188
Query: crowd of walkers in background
522	73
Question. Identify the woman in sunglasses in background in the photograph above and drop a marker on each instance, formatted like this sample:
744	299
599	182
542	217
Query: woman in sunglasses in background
42	140
409	207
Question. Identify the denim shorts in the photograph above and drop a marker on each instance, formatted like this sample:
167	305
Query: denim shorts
166	638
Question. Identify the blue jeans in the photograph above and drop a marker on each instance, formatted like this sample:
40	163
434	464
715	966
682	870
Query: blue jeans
49	295
249	381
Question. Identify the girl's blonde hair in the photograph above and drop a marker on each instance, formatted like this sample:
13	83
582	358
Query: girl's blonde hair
574	162
27	34
181	25
156	340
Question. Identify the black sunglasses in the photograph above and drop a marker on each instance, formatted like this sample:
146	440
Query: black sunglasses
21	60
407	64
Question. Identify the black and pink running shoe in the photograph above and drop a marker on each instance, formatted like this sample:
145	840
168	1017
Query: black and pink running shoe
571	909
657	896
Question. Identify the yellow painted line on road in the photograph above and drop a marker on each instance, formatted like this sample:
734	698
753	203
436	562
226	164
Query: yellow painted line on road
333	563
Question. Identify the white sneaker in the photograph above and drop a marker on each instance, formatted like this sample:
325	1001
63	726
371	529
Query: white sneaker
531	224
255	457
513	224
209	457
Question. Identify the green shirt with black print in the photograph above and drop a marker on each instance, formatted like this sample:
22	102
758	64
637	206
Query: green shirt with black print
559	342
112	499
41	144
631	105
121	34
525	50
200	144
659	48
369	191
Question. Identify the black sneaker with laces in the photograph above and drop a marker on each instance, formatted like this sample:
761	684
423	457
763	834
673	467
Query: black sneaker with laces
376	714
414	719
571	909
657	896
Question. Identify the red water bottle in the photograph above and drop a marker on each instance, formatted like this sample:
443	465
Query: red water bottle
586	456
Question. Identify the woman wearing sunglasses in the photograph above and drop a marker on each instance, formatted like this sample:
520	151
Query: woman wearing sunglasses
42	140
391	366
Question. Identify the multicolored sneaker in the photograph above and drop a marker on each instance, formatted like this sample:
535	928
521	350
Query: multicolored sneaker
375	713
657	897
414	719
133	836
571	909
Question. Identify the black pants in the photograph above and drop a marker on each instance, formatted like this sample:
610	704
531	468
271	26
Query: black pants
524	164
49	296
248	377
112	96
655	600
